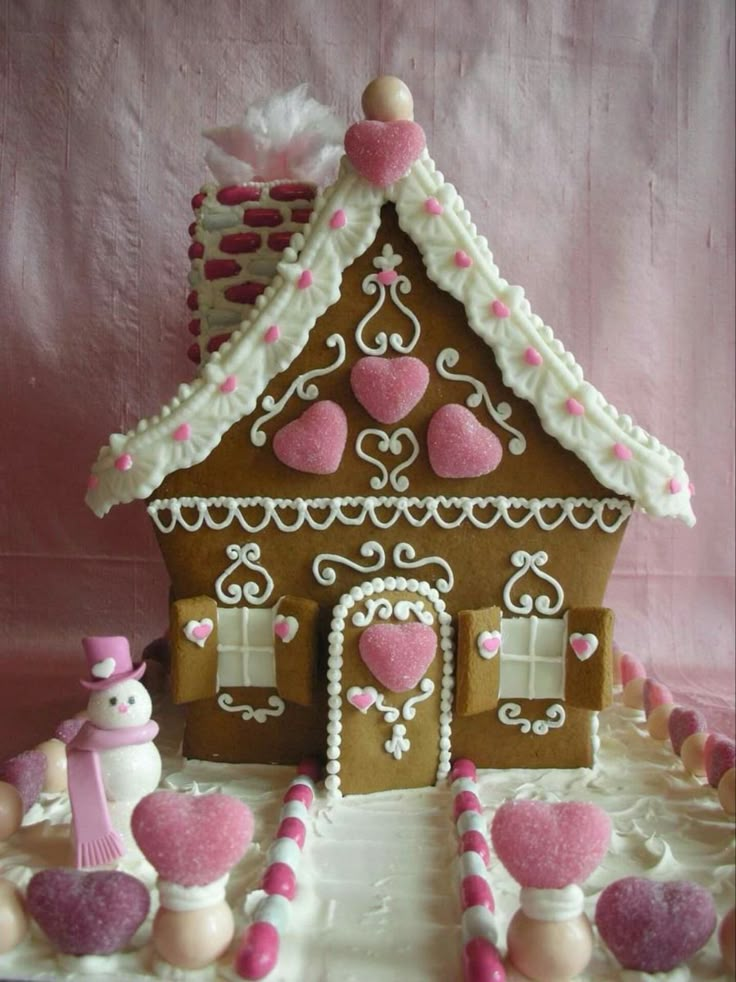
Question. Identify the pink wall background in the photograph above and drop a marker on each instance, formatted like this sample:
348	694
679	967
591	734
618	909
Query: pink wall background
593	143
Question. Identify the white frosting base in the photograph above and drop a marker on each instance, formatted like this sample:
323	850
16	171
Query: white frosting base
377	885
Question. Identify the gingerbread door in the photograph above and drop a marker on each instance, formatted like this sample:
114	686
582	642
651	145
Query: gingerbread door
389	689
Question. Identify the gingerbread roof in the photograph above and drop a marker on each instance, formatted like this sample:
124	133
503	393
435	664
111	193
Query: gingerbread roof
346	218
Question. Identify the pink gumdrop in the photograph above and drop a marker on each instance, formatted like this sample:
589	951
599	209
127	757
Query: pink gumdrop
292	828
382	152
300	792
481	962
459	445
475	892
314	442
720	756
258	951
310	767
655	694
475	841
682	724
398	654
466	801
389	388
280	879
463	768
631	668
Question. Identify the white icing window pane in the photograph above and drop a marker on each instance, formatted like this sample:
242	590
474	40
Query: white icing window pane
532	658
229	669
515	634
549	680
514	682
262	667
260	628
550	639
245	654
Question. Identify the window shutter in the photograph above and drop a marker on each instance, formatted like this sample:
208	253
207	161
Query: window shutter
296	644
589	657
193	649
478	661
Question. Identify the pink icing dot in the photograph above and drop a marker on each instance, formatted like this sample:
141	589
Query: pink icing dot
182	432
305	279
229	385
574	408
92	482
272	334
499	309
124	462
621	451
339	219
463	768
532	357
466	801
300	792
462	259
433	207
387	276
475	841
292	828
675	486
475	892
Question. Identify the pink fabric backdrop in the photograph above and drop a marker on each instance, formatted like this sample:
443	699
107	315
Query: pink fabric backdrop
593	144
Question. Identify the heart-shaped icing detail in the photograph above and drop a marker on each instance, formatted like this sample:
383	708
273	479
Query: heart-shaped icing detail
338	219
720	756
654	927
489	644
182	433
499	309
532	357
229	385
314	442
682	724
389	388
191	839
398	654
584	645
621	451
198	631
103	669
655	694
460	446
305	279
462	259
361	698
574	407
84	913
433	207
272	334
550	845
285	628
384	152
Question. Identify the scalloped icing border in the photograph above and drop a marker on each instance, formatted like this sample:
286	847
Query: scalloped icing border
621	455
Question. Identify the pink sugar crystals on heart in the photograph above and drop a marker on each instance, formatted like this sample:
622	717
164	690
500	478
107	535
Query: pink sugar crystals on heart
460	446
389	388
720	756
26	772
550	845
192	840
382	152
398	654
314	442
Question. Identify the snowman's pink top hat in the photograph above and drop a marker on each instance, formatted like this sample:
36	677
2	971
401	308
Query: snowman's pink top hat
109	662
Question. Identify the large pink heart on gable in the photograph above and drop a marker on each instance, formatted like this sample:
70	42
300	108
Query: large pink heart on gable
550	845
192	839
389	388
460	446
398	654
384	152
314	442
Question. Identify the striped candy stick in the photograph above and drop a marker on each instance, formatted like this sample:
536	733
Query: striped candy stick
481	960
258	952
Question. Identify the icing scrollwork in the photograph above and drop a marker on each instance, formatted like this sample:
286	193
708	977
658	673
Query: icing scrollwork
369	550
251	592
225	701
404	556
387	282
510	714
401	610
500	414
527	562
389	443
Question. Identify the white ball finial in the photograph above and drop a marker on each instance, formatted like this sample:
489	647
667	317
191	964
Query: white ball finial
387	98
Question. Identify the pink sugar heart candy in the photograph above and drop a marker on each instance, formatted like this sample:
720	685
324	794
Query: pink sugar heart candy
384	152
398	654
720	756
26	772
314	442
631	668
83	913
460	446
191	839
68	729
655	694
654	927
550	845
389	388
682	724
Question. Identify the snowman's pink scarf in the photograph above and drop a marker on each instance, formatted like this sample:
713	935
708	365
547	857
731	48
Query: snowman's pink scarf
95	840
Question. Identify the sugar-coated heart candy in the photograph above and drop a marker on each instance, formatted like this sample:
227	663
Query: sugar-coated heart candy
382	152
389	388
682	724
87	913
653	927
68	729
631	668
459	445
192	839
314	442
398	654
655	694
26	771
720	756
550	845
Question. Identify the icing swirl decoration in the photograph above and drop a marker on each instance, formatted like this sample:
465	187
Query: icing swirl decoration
250	592
510	714
526	562
387	282
369	550
393	444
276	708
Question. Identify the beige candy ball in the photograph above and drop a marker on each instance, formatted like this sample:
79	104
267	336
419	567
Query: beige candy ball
658	720
727	791
550	951
193	939
692	753
11	810
727	939
13	917
634	694
55	753
387	98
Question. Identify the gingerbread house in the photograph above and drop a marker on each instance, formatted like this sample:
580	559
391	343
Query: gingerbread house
390	504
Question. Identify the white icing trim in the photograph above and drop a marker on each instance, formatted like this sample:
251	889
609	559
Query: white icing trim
368	550
388	260
526	562
292	626
401	610
388	443
404	556
589	639
595	740
244	555
174	896
510	714
225	701
290	514
398	744
448	358
552	905
189	631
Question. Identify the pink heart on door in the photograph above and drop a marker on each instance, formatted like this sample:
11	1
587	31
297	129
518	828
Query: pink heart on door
314	442
362	699
460	446
384	152
398	654
389	388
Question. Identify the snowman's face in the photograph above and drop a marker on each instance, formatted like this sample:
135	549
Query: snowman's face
125	704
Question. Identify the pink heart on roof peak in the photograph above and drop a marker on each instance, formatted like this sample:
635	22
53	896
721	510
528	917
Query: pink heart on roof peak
314	442
389	388
384	152
460	446
398	654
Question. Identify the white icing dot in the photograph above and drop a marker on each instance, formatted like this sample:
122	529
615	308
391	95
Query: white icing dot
390	582
332	783
368	589
444	743
333	752
334	726
332	767
355	594
412	585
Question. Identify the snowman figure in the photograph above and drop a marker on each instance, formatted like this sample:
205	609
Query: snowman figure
113	758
